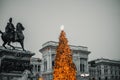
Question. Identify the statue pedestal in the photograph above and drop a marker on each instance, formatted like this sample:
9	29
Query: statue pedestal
13	63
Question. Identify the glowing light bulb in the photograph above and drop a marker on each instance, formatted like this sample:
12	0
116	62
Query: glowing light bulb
62	27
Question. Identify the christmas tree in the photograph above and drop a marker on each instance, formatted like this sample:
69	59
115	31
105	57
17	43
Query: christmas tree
64	68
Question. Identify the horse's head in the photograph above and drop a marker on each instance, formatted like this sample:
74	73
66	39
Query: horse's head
19	27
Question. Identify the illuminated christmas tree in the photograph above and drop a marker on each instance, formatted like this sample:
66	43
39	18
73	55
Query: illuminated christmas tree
64	68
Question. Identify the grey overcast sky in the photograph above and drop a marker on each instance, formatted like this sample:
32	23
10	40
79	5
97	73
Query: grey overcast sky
91	23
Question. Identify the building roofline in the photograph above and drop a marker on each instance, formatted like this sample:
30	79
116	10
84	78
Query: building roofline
72	47
48	42
104	59
57	43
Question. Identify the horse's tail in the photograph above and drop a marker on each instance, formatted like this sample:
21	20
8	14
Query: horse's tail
1	32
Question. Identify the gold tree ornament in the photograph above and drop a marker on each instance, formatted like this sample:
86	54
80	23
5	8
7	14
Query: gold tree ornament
64	68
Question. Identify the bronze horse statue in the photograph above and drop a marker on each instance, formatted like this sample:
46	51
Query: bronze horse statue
13	36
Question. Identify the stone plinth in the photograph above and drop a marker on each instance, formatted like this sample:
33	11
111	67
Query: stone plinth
13	62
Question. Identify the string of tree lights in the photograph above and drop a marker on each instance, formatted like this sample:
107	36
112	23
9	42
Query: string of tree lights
64	68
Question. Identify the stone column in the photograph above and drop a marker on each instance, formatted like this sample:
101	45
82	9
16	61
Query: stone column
37	68
0	62
102	72
86	64
50	61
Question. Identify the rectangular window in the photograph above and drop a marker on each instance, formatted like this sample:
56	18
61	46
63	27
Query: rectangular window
81	67
83	64
45	65
52	64
39	68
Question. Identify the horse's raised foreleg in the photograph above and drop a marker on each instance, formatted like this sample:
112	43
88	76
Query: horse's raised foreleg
11	45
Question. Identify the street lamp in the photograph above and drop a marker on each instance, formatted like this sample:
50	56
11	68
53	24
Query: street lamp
84	75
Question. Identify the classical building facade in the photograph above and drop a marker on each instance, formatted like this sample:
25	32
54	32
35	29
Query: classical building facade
80	58
36	66
104	69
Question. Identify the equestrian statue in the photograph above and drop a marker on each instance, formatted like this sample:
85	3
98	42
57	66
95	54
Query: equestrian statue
13	34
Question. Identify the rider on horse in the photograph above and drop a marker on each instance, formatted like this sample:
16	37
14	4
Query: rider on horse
12	35
10	26
10	29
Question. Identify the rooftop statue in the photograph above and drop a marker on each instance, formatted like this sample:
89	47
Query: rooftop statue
13	34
